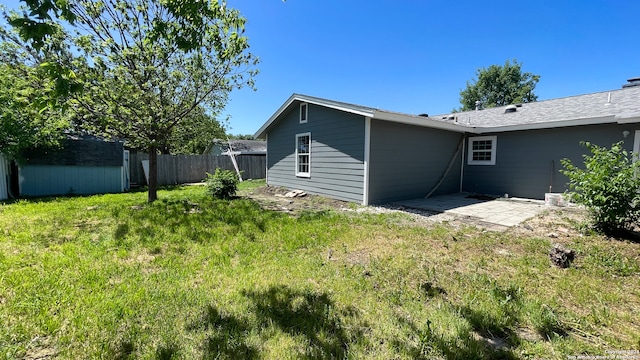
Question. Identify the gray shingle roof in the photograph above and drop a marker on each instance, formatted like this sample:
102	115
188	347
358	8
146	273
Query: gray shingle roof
624	101
615	106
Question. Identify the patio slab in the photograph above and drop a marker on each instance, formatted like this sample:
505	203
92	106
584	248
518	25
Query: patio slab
499	211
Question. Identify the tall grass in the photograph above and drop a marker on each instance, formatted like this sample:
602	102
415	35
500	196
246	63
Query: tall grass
188	276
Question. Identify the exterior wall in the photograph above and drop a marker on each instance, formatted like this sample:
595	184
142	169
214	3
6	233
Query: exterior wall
46	180
337	153
407	162
4	171
528	162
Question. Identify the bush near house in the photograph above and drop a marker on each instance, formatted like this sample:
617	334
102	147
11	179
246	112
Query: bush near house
608	185
223	184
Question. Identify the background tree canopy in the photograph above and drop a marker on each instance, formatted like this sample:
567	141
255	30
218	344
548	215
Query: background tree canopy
31	117
498	86
151	72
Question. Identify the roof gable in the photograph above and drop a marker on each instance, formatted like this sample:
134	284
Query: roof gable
365	111
616	106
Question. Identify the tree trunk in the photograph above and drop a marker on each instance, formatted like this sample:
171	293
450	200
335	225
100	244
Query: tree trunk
153	174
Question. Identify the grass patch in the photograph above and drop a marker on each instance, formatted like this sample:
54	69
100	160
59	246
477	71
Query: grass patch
188	276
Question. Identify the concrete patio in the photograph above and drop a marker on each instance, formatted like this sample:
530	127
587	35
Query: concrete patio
499	211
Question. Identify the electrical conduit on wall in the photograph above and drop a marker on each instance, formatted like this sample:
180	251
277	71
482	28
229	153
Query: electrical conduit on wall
446	172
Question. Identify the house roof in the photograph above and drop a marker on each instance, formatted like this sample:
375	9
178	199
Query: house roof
615	106
366	111
246	147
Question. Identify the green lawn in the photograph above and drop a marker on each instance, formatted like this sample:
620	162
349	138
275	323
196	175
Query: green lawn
187	277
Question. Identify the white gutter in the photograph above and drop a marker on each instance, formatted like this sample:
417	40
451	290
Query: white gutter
628	118
418	121
545	125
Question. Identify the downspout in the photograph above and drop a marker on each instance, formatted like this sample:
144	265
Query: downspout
453	159
464	145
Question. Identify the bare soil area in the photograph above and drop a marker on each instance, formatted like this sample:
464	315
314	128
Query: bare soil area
555	222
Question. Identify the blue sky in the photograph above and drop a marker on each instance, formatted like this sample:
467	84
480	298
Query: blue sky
415	56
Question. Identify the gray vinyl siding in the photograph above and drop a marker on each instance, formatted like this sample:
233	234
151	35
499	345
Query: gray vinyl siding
406	162
48	180
528	162
337	153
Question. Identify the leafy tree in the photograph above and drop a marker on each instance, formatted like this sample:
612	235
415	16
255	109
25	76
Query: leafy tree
498	86
29	117
241	137
608	185
194	135
149	67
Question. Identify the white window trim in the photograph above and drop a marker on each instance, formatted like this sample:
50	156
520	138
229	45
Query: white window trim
304	106
298	173
494	146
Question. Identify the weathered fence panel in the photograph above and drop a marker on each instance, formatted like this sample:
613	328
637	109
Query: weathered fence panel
182	169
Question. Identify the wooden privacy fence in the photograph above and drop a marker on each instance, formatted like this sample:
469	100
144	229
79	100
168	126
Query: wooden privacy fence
182	169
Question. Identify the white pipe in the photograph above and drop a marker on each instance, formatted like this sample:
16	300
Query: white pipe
464	145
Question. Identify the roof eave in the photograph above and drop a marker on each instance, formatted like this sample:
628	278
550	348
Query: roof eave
549	125
354	109
420	121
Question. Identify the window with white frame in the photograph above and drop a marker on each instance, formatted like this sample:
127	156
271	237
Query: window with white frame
304	111
303	155
482	150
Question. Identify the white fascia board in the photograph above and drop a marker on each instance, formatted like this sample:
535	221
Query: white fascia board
354	109
628	118
547	125
420	121
260	132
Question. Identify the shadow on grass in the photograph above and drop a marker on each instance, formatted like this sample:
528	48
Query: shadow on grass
461	347
305	315
310	315
228	337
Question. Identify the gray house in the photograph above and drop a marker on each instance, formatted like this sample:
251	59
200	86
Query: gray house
367	155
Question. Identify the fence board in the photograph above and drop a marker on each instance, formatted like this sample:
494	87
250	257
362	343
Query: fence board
182	169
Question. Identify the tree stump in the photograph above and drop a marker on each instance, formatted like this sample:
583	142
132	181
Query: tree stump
561	256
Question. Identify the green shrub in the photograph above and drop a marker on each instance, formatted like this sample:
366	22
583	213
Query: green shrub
223	184
608	185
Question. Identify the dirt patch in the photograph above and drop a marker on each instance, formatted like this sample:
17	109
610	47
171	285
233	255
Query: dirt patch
39	349
554	222
273	198
561	223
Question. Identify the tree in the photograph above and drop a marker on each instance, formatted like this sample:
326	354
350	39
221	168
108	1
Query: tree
498	86
241	137
194	135
148	67
29	117
608	185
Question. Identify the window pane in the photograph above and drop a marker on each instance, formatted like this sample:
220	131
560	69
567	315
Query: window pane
482	145
303	145
303	113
